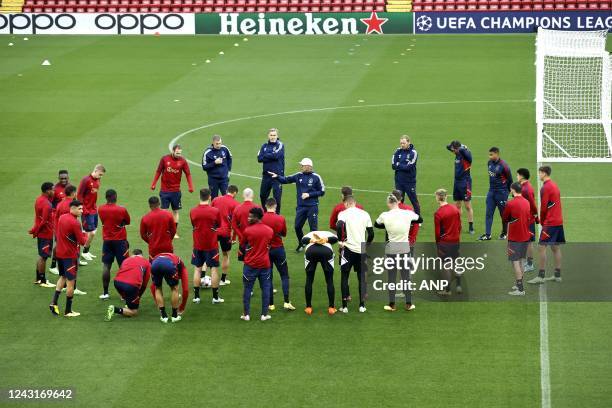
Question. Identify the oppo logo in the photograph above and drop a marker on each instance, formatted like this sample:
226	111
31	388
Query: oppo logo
90	23
142	22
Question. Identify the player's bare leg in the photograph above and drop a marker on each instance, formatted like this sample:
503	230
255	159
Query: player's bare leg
69	295
159	301
225	264
106	274
470	213
447	276
58	290
86	254
41	266
174	300
215	278
518	289
528	264
542	260
175	215
197	283
556	250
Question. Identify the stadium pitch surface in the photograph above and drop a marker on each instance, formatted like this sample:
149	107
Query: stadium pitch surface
344	102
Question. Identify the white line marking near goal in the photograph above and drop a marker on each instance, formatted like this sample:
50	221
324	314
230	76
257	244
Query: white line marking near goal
382	105
544	354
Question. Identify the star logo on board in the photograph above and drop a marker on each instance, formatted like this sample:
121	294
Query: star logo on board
374	23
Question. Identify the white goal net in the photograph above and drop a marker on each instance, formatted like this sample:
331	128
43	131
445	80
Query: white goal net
573	97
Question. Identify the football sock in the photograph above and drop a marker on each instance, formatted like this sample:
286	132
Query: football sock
344	302
541	273
174	312
557	272
53	263
56	296
162	311
519	285
471	226
215	293
530	261
118	310
68	305
223	276
458	278
392	304
40	276
85	249
196	292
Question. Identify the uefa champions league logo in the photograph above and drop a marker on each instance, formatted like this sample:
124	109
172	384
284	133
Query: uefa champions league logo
424	23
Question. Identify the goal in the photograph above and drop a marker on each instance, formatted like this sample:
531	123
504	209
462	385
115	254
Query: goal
573	97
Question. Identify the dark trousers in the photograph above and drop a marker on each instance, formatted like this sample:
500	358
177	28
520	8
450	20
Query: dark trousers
495	199
249	276
354	260
301	215
271	184
325	256
409	189
405	275
278	258
217	185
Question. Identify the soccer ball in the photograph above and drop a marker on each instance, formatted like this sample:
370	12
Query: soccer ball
206	282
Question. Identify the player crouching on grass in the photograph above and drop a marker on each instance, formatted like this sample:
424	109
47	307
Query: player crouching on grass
205	221
168	267
43	232
131	282
69	237
517	214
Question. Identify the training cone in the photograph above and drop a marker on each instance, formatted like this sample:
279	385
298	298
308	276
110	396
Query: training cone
46	62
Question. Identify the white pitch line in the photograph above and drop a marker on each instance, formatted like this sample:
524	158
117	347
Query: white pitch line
544	354
381	105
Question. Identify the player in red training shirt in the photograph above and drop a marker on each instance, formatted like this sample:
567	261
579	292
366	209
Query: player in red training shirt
43	232
157	228
115	245
333	218
171	168
69	237
169	267
240	219
59	192
87	193
522	176
278	256
518	215
257	240
447	227
131	282
414	228
551	219
205	221
226	204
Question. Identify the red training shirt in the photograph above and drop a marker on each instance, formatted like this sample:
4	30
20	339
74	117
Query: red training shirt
157	228
62	208
257	239
517	214
447	221
279	227
114	219
58	194
171	170
240	218
43	218
414	228
527	192
87	194
69	236
551	214
226	205
205	221
135	271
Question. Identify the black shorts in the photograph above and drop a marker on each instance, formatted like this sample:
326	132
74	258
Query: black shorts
448	250
68	268
532	230
462	190
130	293
225	243
350	259
112	250
170	199
164	269
45	247
208	259
517	250
552	235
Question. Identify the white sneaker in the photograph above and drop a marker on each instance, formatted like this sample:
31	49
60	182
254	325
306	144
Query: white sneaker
177	319
266	317
163	319
54	271
218	300
271	308
536	280
47	284
274	290
225	282
104	296
362	309
79	292
245	318
288	306
92	255
528	268
553	278
176	236
409	308
343	309
87	256
81	262
517	292
196	300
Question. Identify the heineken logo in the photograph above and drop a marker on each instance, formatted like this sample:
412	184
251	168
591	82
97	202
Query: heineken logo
303	23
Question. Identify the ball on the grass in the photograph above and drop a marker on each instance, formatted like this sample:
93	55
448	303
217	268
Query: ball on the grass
206	282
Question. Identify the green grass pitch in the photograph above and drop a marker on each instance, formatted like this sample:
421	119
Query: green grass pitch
112	100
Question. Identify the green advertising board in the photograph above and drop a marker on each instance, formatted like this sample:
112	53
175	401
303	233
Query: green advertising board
303	23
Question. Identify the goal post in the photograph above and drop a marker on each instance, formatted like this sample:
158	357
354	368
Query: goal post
573	96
